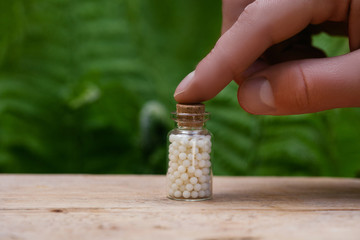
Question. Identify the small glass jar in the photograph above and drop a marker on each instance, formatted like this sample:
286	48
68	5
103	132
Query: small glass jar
189	175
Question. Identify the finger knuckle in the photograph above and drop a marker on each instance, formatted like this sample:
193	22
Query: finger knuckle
302	97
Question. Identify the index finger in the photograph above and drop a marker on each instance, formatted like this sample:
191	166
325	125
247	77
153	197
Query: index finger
231	10
261	24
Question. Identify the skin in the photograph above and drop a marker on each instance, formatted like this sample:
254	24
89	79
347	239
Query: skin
265	47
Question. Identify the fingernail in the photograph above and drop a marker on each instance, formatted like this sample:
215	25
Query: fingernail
184	83
256	96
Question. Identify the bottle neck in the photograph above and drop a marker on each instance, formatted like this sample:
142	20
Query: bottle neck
182	127
190	121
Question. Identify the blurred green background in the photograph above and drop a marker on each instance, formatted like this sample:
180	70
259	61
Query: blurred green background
87	87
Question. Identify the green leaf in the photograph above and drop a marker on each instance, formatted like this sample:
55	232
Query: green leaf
87	86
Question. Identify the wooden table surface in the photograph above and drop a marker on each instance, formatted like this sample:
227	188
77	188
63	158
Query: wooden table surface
121	207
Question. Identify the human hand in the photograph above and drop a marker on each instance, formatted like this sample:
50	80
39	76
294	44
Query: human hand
271	80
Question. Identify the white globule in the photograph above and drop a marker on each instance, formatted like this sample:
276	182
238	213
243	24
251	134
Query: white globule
184	176
193	180
189	172
202	179
182	149
186	194
181	169
198	173
186	163
202	163
194	194
201	193
189	187
179	182
205	171
191	169
197	187
177	194
175	154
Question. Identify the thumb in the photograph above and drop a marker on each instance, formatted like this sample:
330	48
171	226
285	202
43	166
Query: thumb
304	86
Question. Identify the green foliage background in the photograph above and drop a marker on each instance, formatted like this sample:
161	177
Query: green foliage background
86	86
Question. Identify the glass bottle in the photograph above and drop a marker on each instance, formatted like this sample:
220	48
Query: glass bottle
189	175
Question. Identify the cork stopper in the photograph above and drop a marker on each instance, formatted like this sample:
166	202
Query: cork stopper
197	108
191	115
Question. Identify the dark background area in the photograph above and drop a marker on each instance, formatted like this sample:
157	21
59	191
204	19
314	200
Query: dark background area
87	87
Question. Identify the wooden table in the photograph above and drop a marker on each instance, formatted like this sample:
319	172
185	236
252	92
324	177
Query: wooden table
134	207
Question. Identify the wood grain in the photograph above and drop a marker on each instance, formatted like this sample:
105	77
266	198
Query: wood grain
135	207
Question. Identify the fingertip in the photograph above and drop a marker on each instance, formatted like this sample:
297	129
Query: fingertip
212	74
189	90
184	84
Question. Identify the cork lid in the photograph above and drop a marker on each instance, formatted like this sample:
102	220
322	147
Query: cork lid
191	115
197	108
